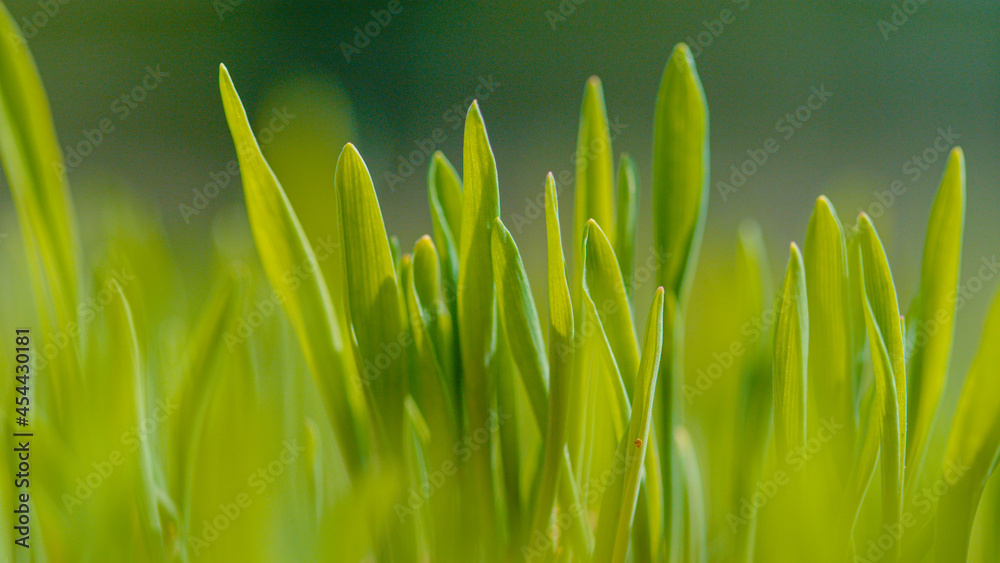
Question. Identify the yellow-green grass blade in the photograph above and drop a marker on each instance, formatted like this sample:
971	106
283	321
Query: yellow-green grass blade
791	356
293	271
680	167
881	295
885	389
520	319
619	502
144	491
756	395
444	190
561	354
831	357
480	206
628	180
680	163
973	445
695	533
865	461
603	282
935	315
374	301
33	165
594	192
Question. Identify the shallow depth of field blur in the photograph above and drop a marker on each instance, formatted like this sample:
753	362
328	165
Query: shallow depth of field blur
896	93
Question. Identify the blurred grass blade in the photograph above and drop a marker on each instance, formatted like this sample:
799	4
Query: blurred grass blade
284	251
374	300
935	316
594	192
695	536
520	319
831	357
865	460
33	164
791	356
144	487
885	389
480	206
628	180
618	505
973	447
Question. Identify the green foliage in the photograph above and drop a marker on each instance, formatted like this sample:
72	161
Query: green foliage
453	413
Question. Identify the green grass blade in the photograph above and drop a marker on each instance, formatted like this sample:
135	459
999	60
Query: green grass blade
520	319
594	193
480	206
603	282
680	163
33	165
791	356
881	295
628	181
831	356
935	319
374	299
444	190
973	445
284	251
680	167
618	505
891	418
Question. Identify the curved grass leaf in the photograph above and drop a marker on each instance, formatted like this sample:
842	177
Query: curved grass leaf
891	418
831	357
444	190
791	356
293	271
480	206
680	167
935	315
594	193
520	319
619	503
973	446
603	282
374	299
33	164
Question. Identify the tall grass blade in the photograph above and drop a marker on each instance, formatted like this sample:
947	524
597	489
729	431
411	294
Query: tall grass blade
284	251
791	356
628	181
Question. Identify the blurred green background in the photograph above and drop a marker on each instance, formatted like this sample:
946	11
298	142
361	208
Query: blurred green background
898	72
